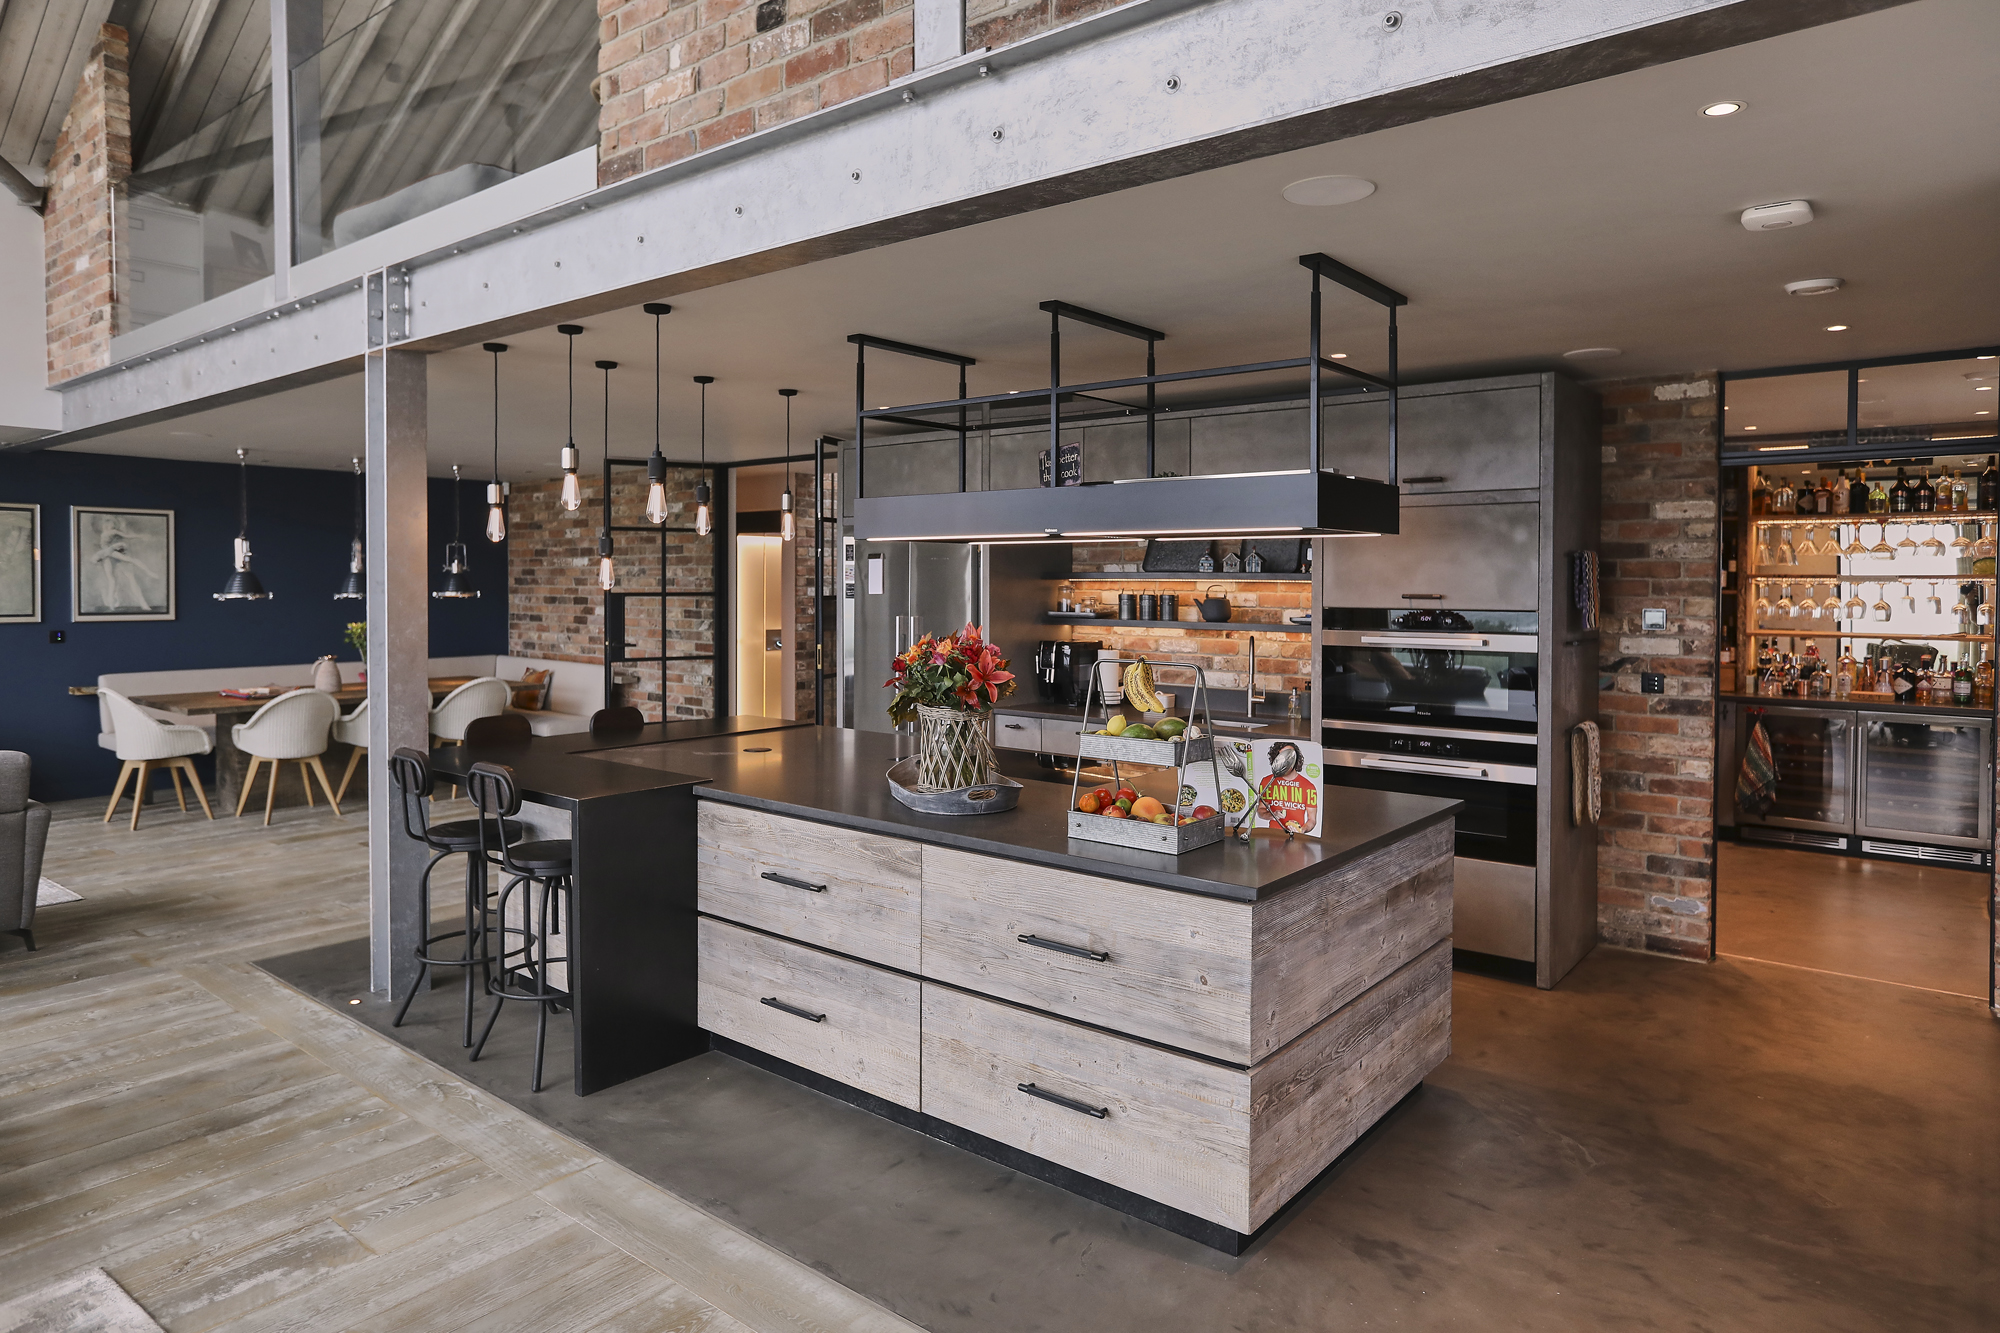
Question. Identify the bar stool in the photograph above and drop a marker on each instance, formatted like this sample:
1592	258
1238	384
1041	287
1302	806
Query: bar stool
611	721
410	770
544	865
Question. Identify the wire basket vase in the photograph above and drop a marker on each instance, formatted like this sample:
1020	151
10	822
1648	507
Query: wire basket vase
954	748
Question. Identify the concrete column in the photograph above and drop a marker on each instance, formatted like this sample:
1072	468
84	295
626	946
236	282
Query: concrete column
940	31
399	700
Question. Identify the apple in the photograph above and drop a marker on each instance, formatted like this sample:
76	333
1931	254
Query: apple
1113	812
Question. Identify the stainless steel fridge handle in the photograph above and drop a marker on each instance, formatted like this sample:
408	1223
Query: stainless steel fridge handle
1438	767
1424	641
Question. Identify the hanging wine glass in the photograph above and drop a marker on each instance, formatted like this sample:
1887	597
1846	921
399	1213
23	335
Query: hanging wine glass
1934	603
1959	541
1933	545
1854	545
1810	546
1881	609
1983	548
1763	547
1855	607
1909	598
1785	605
1763	599
1907	546
1983	613
1787	553
1960	608
1881	546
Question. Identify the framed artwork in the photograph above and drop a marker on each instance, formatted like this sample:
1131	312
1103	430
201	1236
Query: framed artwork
121	564
20	563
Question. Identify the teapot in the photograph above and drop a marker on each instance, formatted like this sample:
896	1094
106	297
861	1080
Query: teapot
1212	607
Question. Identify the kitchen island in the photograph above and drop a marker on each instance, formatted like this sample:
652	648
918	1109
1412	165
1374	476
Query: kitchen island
1190	1039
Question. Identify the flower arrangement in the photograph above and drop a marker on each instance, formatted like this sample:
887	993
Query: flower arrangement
356	635
961	671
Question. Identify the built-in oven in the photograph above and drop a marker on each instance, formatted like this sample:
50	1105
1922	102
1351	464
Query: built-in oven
1493	773
1430	667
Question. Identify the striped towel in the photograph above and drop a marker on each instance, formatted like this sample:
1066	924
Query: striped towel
1757	782
1586	779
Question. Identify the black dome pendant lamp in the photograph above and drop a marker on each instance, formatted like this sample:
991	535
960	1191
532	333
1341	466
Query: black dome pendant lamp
354	588
607	575
457	570
788	524
243	585
703	519
496	495
572	487
656	465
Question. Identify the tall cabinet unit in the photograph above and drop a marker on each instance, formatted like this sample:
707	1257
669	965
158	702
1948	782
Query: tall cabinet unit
1500	491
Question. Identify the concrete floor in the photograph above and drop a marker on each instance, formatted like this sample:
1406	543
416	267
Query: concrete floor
1913	925
1654	1145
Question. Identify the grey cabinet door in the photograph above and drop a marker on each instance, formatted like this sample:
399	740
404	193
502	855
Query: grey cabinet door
1480	556
1476	442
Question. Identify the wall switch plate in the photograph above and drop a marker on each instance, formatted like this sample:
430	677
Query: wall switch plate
1653	617
56	636
1652	682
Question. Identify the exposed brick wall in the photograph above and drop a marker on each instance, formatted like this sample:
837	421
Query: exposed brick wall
1284	662
1656	854
803	592
999	22
93	154
555	609
678	76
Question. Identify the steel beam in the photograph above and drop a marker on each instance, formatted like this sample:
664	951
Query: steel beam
399	699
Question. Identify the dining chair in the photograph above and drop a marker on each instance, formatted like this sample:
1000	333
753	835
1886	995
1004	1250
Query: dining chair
499	729
295	727
487	696
352	730
147	745
611	721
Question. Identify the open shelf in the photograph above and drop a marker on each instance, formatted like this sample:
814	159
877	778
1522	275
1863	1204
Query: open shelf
1193	626
1217	577
1869	520
1866	634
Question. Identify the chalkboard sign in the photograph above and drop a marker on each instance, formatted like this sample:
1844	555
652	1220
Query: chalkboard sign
1165	557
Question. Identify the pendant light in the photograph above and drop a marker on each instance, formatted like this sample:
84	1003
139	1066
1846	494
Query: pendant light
703	520
572	489
607	577
496	497
457	572
354	588
788	527
656	466
242	585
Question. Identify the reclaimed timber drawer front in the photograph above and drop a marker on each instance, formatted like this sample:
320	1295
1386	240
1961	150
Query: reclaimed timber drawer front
1229	1145
1170	967
853	892
1166	1126
834	1016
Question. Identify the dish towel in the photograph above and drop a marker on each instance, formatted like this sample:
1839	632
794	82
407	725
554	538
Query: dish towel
1586	777
1757	782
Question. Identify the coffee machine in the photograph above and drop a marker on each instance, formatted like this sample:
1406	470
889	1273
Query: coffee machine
1062	670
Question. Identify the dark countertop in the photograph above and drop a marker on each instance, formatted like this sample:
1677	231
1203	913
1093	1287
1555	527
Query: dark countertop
564	770
836	776
1853	705
1277	725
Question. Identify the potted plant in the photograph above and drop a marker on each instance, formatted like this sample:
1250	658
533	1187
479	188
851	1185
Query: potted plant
948	688
356	635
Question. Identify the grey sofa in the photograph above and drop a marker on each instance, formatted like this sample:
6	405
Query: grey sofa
24	833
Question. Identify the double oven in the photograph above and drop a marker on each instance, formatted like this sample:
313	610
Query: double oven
1444	702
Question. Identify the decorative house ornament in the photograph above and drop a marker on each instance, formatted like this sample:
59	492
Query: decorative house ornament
1232	563
1254	563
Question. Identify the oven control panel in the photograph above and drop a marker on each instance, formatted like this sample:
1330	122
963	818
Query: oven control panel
1431	747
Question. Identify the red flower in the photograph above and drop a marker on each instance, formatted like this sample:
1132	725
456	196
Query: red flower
988	672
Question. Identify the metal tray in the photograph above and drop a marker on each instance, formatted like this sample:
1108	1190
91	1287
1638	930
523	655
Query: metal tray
1170	838
1002	793
1167	754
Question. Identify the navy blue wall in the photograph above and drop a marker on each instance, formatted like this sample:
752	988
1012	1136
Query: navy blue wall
300	523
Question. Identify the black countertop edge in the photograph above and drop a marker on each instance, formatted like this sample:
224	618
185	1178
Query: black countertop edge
564	770
1095	865
1854	705
1278	725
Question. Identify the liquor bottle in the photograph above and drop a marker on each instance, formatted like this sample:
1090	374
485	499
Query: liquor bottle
1899	494
1961	684
1878	497
1857	492
1784	500
1989	484
1760	496
1903	685
1823	496
1843	676
1926	495
1958	504
1982	681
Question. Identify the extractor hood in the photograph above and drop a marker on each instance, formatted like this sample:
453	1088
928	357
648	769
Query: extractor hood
1307	501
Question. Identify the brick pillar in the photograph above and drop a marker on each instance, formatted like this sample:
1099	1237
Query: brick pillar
1656	854
93	154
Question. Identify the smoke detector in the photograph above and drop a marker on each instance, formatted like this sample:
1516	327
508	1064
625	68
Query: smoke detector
1776	217
1813	287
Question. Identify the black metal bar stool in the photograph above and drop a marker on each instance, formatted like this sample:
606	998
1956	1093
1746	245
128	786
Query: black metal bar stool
410	770
524	958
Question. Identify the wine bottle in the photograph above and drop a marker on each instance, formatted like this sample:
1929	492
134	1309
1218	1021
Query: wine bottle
1899	494
1961	685
1857	493
1982	680
1842	497
1989	484
1926	496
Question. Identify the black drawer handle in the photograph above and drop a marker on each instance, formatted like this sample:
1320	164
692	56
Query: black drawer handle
776	878
1067	1103
1424	481
792	1009
1073	950
1013	726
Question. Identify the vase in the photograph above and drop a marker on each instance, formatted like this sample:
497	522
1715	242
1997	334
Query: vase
326	676
954	748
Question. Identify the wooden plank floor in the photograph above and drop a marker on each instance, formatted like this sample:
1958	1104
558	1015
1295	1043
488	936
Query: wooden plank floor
239	1157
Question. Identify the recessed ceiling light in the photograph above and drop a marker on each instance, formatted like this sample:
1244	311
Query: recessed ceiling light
1982	388
1337	356
1780	448
1325	191
1836	328
1593	353
1722	108
1981	412
1982	358
1813	287
1749	428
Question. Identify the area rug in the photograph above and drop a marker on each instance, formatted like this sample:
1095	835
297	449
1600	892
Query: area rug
48	893
86	1302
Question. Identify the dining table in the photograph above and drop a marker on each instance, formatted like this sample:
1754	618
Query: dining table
231	763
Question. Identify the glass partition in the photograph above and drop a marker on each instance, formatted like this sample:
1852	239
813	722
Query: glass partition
194	220
421	104
1930	400
1785	412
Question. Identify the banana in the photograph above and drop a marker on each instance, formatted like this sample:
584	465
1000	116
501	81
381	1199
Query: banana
1138	684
